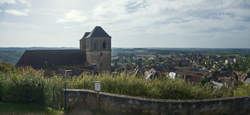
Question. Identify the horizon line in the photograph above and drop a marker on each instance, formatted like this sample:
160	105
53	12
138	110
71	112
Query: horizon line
137	47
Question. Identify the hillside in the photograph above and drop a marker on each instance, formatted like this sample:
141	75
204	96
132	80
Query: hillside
12	55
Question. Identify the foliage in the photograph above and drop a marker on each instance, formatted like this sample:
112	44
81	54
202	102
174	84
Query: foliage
27	108
5	67
244	90
26	86
29	86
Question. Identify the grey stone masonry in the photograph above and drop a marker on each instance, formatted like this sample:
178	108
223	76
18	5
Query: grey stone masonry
81	101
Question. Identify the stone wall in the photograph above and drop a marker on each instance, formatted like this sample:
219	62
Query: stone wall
98	53
102	59
93	103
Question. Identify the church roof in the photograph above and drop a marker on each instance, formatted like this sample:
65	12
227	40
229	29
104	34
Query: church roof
48	58
86	34
98	32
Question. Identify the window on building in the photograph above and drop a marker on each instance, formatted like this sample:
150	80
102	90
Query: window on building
104	45
95	46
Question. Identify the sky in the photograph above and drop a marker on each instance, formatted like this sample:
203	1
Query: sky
131	23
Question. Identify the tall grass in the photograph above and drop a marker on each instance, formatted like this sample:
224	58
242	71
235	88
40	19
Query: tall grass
26	85
244	90
157	88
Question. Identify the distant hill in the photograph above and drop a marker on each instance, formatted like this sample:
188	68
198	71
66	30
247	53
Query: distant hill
12	54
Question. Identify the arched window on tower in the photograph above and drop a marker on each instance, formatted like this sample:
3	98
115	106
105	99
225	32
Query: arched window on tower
104	45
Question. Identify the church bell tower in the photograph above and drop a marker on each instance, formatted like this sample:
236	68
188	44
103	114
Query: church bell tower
97	47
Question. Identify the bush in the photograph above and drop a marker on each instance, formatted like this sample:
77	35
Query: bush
5	67
26	85
244	90
22	88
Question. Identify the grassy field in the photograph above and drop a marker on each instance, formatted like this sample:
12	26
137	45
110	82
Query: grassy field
28	108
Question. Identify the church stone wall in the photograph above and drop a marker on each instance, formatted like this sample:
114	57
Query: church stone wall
98	53
96	46
83	44
102	59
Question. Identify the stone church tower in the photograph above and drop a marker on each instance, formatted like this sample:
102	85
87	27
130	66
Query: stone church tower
96	46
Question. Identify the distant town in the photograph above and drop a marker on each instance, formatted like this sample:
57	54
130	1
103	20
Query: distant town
220	67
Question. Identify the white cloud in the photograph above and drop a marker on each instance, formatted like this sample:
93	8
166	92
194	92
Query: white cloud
15	12
175	20
72	16
7	1
165	23
25	2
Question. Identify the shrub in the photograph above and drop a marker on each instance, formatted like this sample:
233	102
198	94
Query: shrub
26	85
22	88
5	67
244	90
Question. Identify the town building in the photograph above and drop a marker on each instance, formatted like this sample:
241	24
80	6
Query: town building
95	51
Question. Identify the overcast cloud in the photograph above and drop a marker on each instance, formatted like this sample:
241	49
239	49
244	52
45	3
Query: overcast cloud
131	23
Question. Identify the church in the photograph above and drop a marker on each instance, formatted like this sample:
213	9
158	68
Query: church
95	51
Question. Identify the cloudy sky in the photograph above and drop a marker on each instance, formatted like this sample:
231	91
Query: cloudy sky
131	23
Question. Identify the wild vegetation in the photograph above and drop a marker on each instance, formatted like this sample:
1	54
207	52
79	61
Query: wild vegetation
12	108
29	86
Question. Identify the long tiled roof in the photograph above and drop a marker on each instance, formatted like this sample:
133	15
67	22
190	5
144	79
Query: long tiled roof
48	58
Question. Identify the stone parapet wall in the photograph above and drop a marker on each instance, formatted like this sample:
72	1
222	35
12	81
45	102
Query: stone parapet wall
91	102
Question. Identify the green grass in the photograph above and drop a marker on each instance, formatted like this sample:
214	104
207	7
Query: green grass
29	86
27	108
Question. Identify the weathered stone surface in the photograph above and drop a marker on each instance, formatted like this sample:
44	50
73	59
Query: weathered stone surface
112	104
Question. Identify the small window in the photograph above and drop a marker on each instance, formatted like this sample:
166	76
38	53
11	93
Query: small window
104	45
95	46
